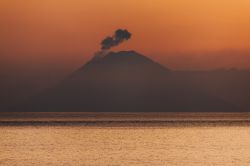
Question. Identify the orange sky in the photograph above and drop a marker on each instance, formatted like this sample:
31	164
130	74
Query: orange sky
182	34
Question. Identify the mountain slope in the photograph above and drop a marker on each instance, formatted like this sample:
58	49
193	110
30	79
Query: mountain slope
125	81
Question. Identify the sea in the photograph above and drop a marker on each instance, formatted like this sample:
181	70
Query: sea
174	142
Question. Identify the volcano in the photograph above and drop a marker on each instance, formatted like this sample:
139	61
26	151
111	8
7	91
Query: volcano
125	81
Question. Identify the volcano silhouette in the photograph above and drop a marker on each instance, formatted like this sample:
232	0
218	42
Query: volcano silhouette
125	81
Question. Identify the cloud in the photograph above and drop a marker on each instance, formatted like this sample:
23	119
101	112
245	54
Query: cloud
119	36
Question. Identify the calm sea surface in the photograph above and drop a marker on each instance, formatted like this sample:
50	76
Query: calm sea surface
125	144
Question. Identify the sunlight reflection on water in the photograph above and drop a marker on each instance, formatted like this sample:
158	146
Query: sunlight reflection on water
125	145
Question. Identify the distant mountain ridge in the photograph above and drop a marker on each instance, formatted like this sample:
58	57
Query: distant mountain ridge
125	81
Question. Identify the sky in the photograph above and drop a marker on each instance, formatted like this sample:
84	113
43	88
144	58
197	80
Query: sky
61	35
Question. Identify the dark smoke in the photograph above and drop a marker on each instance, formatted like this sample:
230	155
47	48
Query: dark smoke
119	36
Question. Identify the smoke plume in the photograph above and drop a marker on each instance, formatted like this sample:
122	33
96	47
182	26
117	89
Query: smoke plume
119	36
